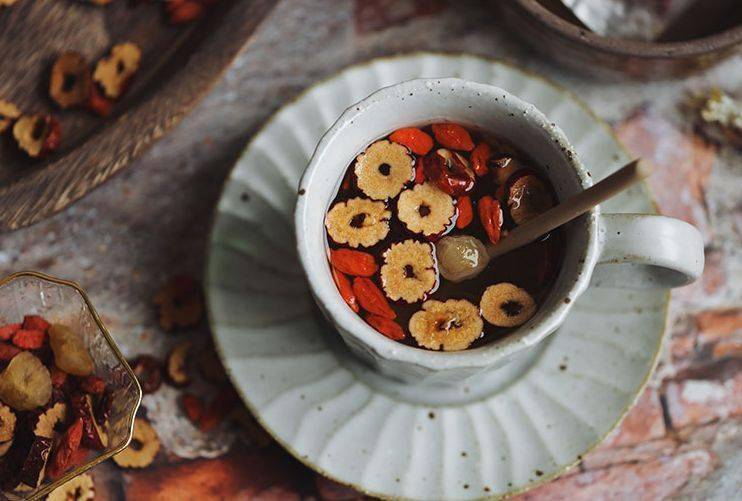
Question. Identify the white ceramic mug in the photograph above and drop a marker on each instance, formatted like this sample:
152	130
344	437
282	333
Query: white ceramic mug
626	250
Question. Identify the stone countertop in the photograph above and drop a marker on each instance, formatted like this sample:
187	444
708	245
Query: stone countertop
124	240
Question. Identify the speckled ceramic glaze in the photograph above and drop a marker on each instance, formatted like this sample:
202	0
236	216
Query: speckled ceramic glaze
535	419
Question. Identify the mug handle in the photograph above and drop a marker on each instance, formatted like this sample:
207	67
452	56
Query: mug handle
641	251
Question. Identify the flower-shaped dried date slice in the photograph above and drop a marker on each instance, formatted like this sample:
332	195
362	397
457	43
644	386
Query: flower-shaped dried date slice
409	271
37	135
114	72
143	447
425	209
358	222
507	305
383	169
448	325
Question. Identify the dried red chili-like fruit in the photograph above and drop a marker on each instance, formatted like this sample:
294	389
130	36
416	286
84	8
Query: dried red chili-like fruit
490	214
93	385
93	435
217	410
59	377
453	136
103	406
346	290
420	170
450	172
7	331
180	303
419	142
183	11
389	328
466	212
371	298
353	262
480	157
37	135
148	371
35	322
98	103
193	407
29	339
7	352
69	443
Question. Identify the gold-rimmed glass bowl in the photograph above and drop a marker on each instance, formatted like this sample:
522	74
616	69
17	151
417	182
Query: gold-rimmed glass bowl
62	301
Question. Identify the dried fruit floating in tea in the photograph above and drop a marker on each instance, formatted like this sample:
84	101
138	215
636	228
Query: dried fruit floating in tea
408	233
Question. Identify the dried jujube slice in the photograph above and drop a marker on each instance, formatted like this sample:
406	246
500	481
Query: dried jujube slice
143	447
114	72
507	305
358	222
25	383
37	135
70	82
49	421
383	170
528	197
409	271
177	364
148	371
8	114
425	209
79	488
70	352
448	325
7	423
180	303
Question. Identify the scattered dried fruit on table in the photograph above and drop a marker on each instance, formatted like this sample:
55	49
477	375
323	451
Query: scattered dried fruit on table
490	215
29	339
450	325
480	158
425	209
210	366
450	172
371	298
389	328
527	198
358	221
143	447
25	383
34	467
418	141
453	136
465	212
51	420
7	423
70	82
7	331
180	303
8	114
64	452
353	262
193	407
37	135
218	409
79	488
383	170
148	371
460	257
408	272
507	305
70	352
345	288
114	72
93	385
177	364
183	11
93	434
720	118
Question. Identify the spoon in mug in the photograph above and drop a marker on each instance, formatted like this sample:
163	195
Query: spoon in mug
472	256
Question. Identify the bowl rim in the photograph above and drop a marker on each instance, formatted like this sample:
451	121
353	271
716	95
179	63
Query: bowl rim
650	50
112	344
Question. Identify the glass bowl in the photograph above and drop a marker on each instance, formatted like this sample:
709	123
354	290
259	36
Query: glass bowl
65	302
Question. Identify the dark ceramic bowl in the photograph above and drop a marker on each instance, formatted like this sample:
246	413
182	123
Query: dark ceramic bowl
578	48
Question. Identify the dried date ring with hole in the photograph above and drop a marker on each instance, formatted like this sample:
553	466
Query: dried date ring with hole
449	171
148	371
425	209
114	72
79	488
8	114
177	364
37	135
70	81
358	222
448	325
383	170
50	421
143	447
507	305
7	423
409	271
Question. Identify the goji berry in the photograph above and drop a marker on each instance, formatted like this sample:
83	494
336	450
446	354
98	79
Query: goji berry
7	352
217	410
59	377
420	170
98	103
453	136
193	407
371	298
389	328
7	331
29	339
415	139
93	385
353	262
35	323
490	214
479	158
69	443
466	212
346	290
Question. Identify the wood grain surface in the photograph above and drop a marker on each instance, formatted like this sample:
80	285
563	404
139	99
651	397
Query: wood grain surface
179	64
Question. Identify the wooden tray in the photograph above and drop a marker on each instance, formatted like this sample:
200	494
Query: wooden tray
179	65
